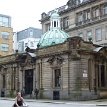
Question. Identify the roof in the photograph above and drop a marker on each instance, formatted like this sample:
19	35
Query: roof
97	49
66	8
52	37
55	35
32	54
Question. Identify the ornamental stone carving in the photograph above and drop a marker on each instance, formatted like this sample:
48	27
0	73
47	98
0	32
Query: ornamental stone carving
55	61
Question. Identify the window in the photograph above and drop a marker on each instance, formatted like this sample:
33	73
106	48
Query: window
54	23
105	9
57	77
101	75
31	44
47	27
21	46
31	33
65	22
87	15
89	35
4	21
80	17
80	35
26	44
103	82
98	34
0	21
4	81
96	12
106	32
4	47
5	35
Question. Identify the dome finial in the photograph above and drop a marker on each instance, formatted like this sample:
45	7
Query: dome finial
55	19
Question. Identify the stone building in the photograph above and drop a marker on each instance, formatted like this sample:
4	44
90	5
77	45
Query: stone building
86	19
62	67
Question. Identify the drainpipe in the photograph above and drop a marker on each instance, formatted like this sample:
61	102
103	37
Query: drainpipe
68	76
41	84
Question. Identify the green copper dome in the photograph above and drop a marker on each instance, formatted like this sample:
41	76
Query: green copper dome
55	35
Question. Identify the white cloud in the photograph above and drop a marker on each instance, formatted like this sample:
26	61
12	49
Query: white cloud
27	13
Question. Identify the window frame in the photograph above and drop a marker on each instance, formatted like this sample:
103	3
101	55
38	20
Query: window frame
4	22
104	9
88	37
86	15
4	47
5	36
100	35
58	76
80	34
65	22
96	12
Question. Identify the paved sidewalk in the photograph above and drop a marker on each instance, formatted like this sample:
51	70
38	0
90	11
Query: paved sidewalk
100	102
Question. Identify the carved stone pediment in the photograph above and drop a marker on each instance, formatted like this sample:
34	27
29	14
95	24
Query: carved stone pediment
55	60
26	59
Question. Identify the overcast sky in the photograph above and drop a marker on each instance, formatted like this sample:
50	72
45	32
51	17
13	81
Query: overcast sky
27	13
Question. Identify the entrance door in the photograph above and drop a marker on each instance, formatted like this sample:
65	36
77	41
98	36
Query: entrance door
28	81
101	72
56	95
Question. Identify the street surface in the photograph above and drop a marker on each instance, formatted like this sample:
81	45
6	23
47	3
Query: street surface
9	103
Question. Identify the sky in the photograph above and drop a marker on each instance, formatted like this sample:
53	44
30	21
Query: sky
27	13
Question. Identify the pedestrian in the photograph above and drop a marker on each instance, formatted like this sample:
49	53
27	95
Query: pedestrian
23	92
36	92
19	101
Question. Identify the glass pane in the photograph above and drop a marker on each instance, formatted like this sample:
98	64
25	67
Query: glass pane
98	34
31	33
5	35
5	22
1	23
57	77
106	10
0	19
81	35
5	19
89	35
4	47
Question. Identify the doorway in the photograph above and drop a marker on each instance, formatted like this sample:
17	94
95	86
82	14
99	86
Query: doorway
28	81
56	95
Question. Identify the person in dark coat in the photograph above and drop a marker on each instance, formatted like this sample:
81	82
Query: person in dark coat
36	92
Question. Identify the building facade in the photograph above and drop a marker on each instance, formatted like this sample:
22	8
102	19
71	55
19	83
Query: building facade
26	38
86	19
70	69
6	35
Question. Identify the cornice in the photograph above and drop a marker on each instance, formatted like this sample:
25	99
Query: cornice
92	22
70	9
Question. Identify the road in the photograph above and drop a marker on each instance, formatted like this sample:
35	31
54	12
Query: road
8	103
